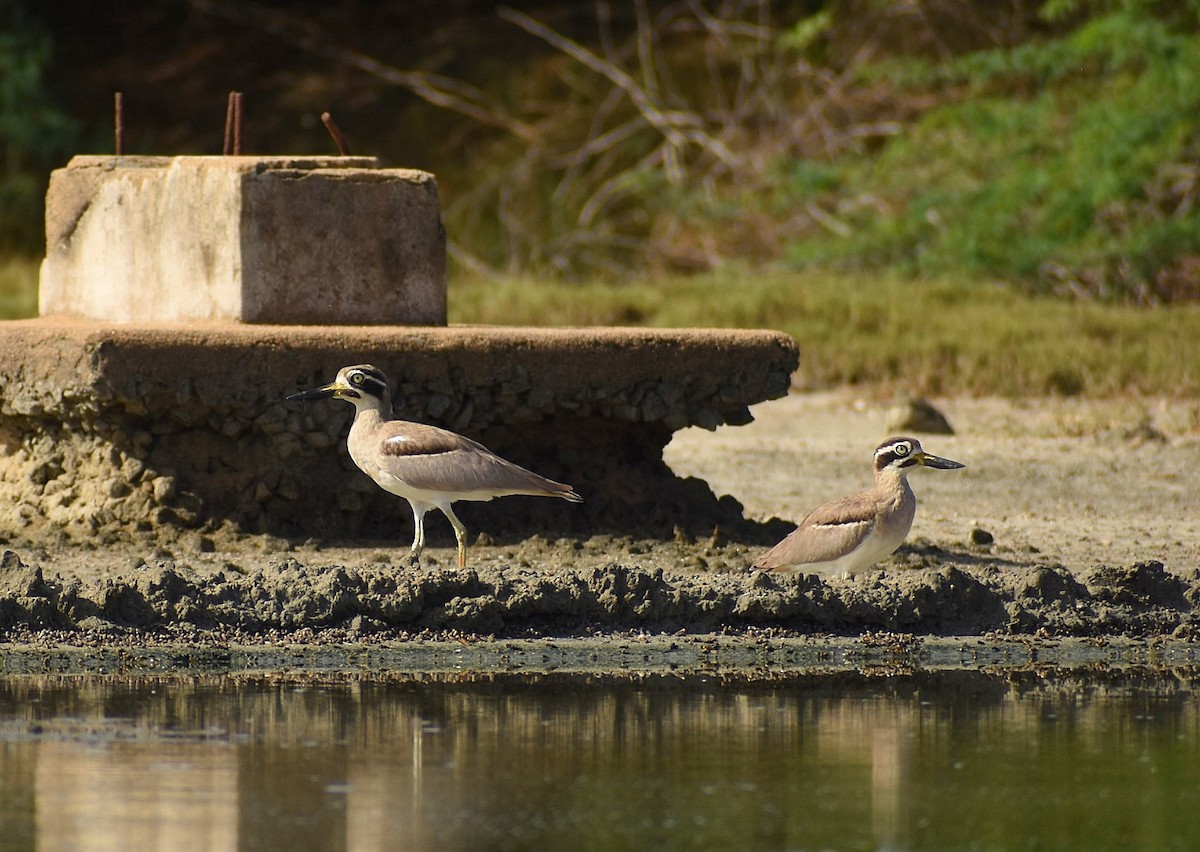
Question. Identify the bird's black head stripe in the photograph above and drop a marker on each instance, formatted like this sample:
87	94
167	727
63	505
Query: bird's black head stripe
898	452
368	380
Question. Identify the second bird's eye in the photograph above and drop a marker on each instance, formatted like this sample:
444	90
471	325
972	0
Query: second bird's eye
901	449
356	378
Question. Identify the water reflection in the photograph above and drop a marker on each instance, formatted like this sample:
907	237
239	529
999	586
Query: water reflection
843	761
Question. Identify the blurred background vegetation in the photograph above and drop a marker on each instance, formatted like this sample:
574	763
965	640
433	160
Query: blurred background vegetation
983	195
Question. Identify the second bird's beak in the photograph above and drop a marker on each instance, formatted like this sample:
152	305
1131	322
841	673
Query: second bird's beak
323	392
939	463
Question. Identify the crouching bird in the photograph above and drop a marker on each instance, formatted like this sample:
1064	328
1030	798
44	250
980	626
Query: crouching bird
849	535
429	467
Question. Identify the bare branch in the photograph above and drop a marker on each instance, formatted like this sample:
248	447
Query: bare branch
827	220
670	123
601	143
619	78
645	47
444	92
616	185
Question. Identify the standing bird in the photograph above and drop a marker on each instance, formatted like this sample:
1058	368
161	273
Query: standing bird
427	466
851	534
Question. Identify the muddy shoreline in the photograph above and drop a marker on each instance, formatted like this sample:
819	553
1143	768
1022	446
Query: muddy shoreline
166	617
1090	506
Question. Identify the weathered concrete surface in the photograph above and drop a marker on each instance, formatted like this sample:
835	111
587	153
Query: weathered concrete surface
110	432
258	239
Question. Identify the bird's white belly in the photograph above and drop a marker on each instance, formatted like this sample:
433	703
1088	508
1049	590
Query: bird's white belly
400	488
876	548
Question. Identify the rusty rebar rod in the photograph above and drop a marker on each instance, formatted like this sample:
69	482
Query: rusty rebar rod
227	146
233	125
237	123
338	138
118	124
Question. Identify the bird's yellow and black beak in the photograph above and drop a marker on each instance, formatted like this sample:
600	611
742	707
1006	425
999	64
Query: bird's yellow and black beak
937	462
336	389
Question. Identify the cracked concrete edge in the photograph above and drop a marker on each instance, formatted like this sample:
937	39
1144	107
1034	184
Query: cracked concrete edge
66	369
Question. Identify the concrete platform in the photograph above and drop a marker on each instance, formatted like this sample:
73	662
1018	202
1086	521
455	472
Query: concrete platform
322	240
112	432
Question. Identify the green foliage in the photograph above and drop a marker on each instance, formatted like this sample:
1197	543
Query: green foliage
34	135
1048	164
1055	146
806	32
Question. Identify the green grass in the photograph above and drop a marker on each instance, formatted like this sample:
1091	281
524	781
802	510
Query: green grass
18	288
926	336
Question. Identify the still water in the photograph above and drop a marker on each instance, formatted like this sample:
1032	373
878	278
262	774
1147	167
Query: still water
955	760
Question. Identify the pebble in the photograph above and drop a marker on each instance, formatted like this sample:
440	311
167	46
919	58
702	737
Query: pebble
918	415
979	537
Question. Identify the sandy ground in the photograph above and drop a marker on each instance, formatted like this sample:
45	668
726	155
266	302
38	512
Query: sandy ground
1063	482
1073	482
1092	507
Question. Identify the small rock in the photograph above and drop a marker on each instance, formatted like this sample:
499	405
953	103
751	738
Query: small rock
132	468
364	624
979	537
918	415
273	544
95	624
164	488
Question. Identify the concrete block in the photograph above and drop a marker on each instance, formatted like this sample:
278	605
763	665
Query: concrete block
317	240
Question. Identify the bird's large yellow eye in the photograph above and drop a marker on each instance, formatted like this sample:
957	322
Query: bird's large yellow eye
357	378
902	449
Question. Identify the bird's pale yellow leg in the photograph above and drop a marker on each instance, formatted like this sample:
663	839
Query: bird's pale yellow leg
460	533
414	555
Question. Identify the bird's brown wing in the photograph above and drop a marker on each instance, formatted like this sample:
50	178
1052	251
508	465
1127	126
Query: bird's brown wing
434	459
829	531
